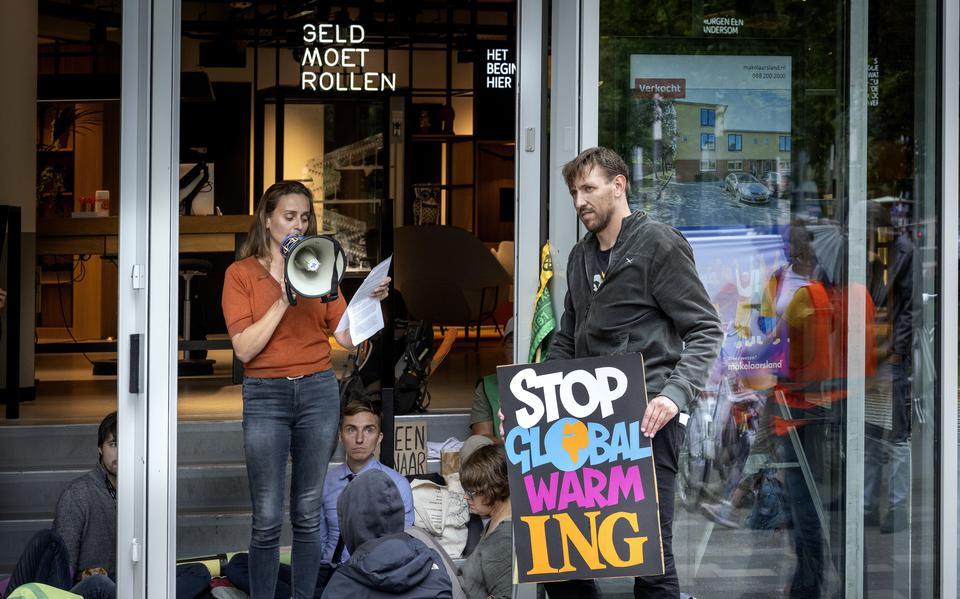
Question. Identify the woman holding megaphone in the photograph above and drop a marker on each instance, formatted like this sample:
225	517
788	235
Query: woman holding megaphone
291	403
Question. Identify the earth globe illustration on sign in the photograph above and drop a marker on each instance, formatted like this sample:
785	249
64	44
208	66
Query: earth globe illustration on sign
566	444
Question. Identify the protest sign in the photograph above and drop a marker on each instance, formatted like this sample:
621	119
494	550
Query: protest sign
410	447
582	483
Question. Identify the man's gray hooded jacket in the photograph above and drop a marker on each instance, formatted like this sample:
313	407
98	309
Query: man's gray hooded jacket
651	302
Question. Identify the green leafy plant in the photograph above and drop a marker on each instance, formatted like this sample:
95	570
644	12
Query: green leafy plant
56	124
50	189
62	119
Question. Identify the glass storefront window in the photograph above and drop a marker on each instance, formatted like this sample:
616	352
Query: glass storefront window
337	149
735	120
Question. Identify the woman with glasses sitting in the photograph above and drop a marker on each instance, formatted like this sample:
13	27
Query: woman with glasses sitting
487	572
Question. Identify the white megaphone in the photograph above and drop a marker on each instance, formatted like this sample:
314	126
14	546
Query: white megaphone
313	266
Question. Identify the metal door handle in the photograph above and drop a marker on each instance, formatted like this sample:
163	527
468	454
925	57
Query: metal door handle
135	363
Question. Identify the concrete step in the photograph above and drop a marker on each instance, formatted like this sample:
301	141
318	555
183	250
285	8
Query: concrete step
199	488
210	534
46	447
15	534
212	489
32	494
37	462
74	446
213	496
198	534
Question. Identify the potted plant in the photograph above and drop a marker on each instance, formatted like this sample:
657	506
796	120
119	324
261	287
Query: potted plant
50	189
56	124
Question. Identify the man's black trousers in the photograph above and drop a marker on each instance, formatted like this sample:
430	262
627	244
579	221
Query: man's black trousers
666	451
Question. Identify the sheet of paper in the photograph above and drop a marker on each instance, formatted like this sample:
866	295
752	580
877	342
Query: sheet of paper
364	316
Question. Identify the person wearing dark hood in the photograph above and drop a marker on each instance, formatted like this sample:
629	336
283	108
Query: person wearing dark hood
80	552
384	561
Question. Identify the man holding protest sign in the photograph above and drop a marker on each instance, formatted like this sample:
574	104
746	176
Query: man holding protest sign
633	288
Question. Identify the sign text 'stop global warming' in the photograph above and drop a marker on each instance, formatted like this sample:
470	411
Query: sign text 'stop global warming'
330	46
582	481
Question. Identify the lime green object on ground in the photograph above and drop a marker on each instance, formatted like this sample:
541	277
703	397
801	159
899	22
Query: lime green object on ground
35	590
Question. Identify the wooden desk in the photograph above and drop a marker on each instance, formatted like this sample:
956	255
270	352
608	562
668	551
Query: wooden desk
98	236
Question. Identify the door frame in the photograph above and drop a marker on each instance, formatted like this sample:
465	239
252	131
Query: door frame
148	291
949	57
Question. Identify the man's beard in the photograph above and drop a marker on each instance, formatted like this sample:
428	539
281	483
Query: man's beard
600	222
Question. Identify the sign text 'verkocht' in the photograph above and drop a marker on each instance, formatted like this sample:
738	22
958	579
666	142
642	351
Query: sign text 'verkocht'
582	482
662	88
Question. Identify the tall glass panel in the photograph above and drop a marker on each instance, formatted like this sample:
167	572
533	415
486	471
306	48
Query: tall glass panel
58	294
337	149
903	273
735	120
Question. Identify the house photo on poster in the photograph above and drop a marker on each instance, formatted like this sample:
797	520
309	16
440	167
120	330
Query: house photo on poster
582	484
717	149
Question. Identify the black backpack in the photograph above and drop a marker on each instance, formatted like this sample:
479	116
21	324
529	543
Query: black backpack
410	393
362	369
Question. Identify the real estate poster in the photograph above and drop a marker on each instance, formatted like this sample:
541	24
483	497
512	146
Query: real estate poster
736	269
582	483
713	146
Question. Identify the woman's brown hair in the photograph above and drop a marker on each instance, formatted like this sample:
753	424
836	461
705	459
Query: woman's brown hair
485	474
258	242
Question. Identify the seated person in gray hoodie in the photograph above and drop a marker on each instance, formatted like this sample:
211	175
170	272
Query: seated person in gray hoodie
80	553
384	561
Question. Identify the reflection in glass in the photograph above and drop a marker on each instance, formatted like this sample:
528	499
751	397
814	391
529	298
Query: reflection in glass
336	148
732	120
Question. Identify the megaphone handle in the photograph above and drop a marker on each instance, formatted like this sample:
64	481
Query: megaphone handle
332	296
291	296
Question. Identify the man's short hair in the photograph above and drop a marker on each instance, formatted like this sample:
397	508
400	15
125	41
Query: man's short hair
603	158
485	473
108	426
359	406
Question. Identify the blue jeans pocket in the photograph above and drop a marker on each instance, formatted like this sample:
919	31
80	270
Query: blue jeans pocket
253	381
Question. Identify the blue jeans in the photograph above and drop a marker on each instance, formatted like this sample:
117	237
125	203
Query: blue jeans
96	587
298	419
45	560
191	581
808	535
891	446
238	571
666	452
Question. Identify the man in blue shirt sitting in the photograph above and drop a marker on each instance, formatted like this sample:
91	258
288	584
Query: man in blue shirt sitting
360	435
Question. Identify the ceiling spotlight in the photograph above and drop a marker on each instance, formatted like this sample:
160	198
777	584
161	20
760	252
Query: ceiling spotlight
303	13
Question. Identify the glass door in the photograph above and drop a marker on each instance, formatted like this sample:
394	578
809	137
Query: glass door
795	147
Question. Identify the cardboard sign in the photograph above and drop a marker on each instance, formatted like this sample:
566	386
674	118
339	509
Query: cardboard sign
410	447
582	481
